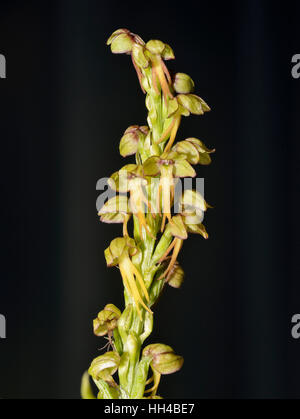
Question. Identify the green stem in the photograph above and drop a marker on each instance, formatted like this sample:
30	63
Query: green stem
138	388
133	372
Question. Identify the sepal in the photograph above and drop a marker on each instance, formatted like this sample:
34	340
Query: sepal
193	104
178	228
155	46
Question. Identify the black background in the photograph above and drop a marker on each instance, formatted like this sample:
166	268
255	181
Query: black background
64	106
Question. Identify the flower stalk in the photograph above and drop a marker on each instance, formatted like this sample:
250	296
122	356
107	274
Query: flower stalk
145	196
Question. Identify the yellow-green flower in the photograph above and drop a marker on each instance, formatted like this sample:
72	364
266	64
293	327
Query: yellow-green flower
116	210
168	166
119	253
130	179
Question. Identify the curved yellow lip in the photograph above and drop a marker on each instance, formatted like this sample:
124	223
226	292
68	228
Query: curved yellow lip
130	275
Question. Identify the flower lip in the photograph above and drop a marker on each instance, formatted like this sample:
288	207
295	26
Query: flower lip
166	162
131	176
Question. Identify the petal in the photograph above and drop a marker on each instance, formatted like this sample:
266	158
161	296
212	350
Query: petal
177	227
115	34
121	44
198	229
151	166
129	144
189	150
117	204
182	168
201	147
204	159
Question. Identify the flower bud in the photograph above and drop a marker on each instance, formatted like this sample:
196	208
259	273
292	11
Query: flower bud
156	349
130	140
164	360
183	83
155	46
167	363
128	145
176	276
107	320
105	366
